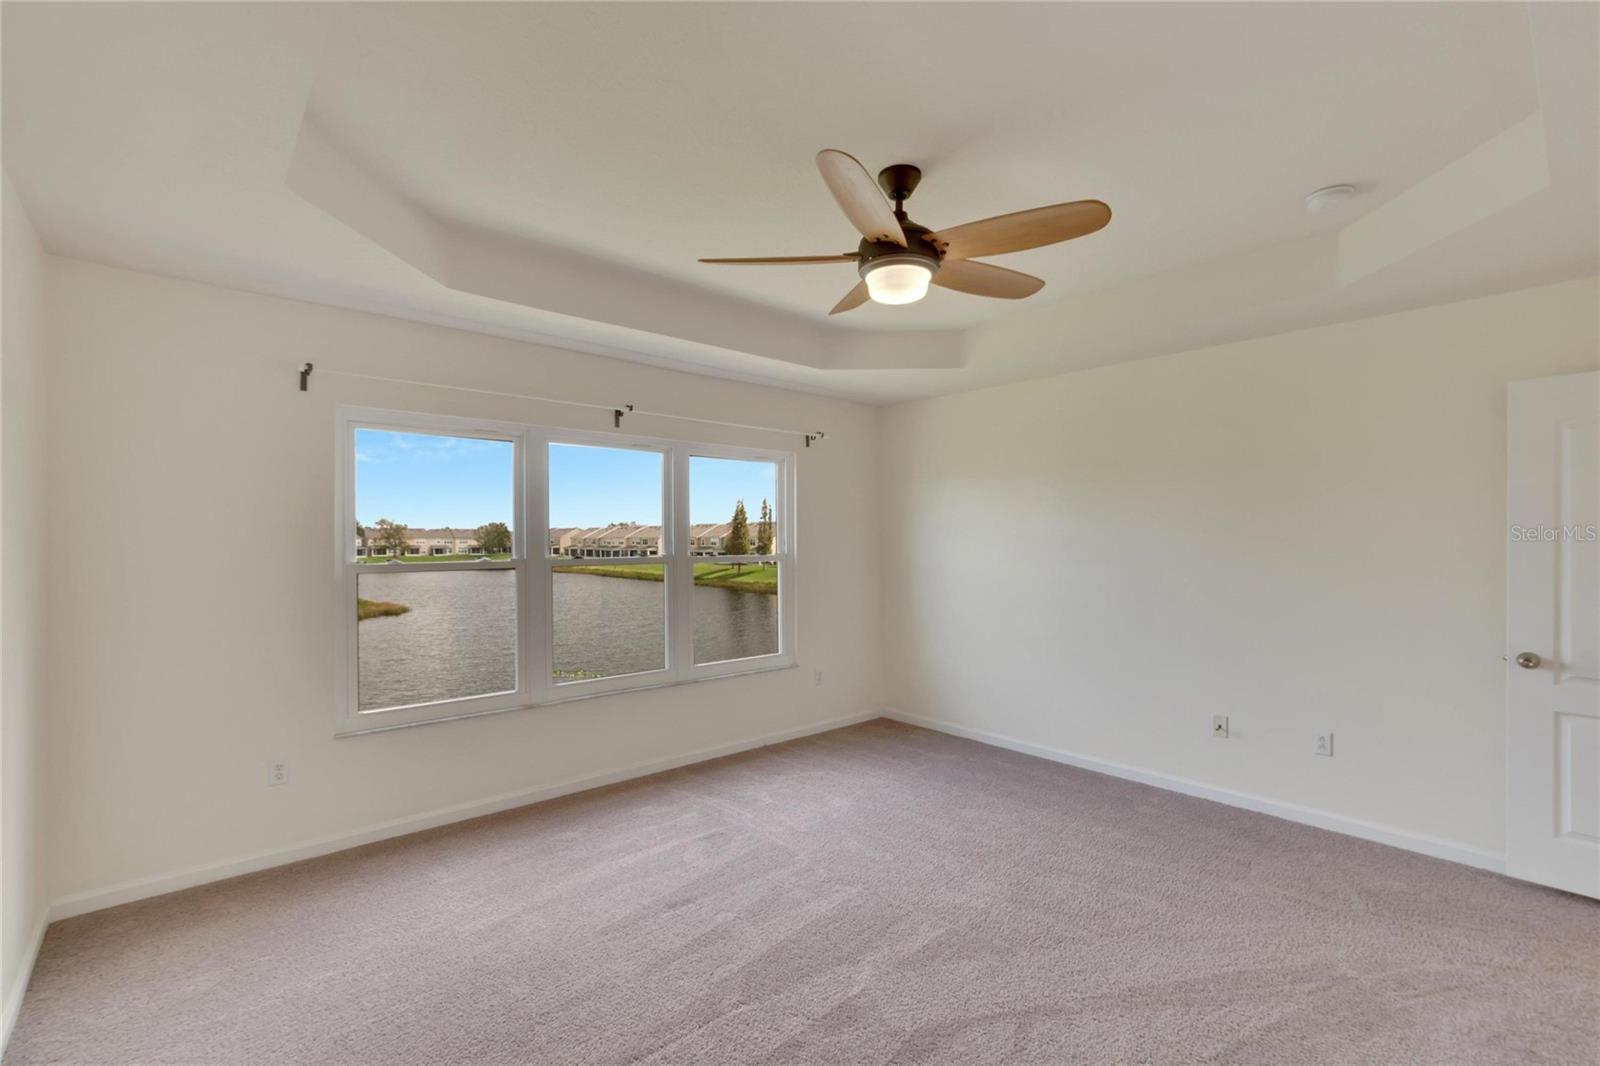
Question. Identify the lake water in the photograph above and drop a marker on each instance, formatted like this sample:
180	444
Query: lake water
459	638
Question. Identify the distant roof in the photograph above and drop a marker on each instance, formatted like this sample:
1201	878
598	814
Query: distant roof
420	531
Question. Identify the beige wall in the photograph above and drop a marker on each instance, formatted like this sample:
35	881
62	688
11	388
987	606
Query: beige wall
1305	533
180	676
22	603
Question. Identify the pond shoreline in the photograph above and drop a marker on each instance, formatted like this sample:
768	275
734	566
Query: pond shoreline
366	609
749	582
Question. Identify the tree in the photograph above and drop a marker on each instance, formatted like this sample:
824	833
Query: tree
737	542
391	535
494	538
764	530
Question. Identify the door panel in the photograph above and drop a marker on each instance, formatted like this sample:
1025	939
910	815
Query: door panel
1553	633
1578	558
1577	744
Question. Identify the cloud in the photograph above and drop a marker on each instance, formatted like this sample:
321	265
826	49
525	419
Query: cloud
378	444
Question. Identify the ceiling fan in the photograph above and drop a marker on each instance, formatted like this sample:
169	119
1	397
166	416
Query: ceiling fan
897	259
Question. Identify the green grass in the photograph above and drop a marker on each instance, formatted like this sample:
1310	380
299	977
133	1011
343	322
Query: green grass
382	560
641	572
749	578
746	579
366	609
753	578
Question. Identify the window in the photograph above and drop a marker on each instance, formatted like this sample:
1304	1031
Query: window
485	566
427	636
607	621
735	606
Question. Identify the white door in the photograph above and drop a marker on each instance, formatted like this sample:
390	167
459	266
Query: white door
1553	633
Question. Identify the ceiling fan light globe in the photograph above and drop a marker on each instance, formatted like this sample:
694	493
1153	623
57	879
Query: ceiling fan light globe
897	279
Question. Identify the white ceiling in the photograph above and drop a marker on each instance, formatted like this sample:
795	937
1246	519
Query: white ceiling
553	170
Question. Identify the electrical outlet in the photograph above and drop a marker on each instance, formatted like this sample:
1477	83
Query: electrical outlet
817	679
1219	725
1323	745
277	772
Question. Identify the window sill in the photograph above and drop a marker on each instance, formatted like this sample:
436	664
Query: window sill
361	729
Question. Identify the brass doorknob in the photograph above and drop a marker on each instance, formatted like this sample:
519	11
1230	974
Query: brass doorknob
1528	660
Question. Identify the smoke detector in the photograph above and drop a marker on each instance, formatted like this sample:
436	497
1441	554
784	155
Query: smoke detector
1329	198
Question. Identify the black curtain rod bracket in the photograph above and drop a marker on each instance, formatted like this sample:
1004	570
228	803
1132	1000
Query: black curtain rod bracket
617	410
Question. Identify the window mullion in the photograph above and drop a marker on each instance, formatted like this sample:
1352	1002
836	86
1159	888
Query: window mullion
787	573
349	591
680	583
538	645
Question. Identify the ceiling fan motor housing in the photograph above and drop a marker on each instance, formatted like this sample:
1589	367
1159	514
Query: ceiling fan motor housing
917	249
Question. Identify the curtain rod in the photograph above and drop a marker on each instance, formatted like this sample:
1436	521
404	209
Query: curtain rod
618	410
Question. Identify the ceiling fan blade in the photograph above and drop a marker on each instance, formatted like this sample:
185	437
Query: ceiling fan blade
852	299
783	260
858	195
1021	230
986	279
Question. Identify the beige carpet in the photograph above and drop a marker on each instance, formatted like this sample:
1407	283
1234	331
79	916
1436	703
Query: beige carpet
879	894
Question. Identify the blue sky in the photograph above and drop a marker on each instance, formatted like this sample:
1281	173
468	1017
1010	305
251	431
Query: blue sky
424	480
428	481
716	484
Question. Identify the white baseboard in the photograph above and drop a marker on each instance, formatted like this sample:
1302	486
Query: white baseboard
13	1004
1381	834
143	888
129	891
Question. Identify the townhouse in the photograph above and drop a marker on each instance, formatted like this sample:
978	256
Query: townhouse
620	540
424	542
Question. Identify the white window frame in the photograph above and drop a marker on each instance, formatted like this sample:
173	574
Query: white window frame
535	630
351	719
785	559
